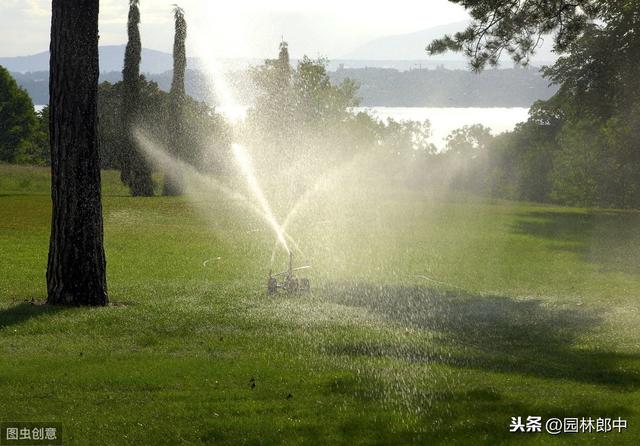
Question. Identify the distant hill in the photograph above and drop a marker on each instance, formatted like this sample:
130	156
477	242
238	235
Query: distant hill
111	59
378	86
513	87
401	52
412	46
26	64
36	83
409	46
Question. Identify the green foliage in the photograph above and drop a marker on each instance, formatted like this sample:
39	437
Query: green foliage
22	137
318	103
300	122
599	159
178	146
517	28
304	125
580	165
465	158
152	108
179	54
597	164
581	146
469	141
135	171
599	76
274	108
294	105
36	150
521	162
205	134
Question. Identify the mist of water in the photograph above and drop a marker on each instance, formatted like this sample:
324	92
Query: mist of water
246	167
197	183
226	98
335	303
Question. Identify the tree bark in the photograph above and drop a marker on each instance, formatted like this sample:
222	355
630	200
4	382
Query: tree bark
76	272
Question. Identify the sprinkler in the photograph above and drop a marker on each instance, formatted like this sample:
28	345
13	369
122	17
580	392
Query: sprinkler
289	282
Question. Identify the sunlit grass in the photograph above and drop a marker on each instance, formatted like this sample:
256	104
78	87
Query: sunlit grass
529	310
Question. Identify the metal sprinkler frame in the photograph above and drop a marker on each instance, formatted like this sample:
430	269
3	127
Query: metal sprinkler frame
290	283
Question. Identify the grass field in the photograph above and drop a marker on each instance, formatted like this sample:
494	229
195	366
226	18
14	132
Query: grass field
431	321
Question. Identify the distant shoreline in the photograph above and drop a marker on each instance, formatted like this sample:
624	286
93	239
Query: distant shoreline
377	87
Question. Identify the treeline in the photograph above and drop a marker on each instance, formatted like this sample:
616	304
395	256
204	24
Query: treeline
197	84
25	139
582	146
302	129
24	134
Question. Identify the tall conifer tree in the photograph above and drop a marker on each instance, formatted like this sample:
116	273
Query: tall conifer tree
135	171
173	183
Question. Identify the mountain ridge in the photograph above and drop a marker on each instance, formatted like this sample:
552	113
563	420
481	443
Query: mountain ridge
400	51
111	59
412	46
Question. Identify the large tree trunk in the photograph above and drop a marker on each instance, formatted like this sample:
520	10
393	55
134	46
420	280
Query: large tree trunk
76	273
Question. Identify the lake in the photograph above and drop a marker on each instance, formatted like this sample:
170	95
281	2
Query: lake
443	120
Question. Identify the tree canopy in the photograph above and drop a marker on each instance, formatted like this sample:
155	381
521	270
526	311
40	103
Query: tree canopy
18	121
300	119
581	146
134	170
177	94
518	27
205	134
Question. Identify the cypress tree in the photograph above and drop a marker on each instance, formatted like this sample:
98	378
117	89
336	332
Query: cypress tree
173	183
282	109
135	171
283	62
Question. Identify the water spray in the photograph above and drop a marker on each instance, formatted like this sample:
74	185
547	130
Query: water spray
290	283
286	280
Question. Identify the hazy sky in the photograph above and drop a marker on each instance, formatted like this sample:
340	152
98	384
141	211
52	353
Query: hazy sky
238	28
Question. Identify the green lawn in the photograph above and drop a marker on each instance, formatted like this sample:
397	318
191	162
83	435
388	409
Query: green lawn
431	321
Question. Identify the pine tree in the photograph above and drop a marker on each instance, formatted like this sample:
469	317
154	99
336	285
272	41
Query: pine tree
518	28
283	72
173	183
283	62
76	271
135	171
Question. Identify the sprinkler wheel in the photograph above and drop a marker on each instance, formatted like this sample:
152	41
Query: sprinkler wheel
291	284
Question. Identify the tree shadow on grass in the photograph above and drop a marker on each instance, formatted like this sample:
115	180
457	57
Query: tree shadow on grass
491	333
610	239
26	311
481	416
522	338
